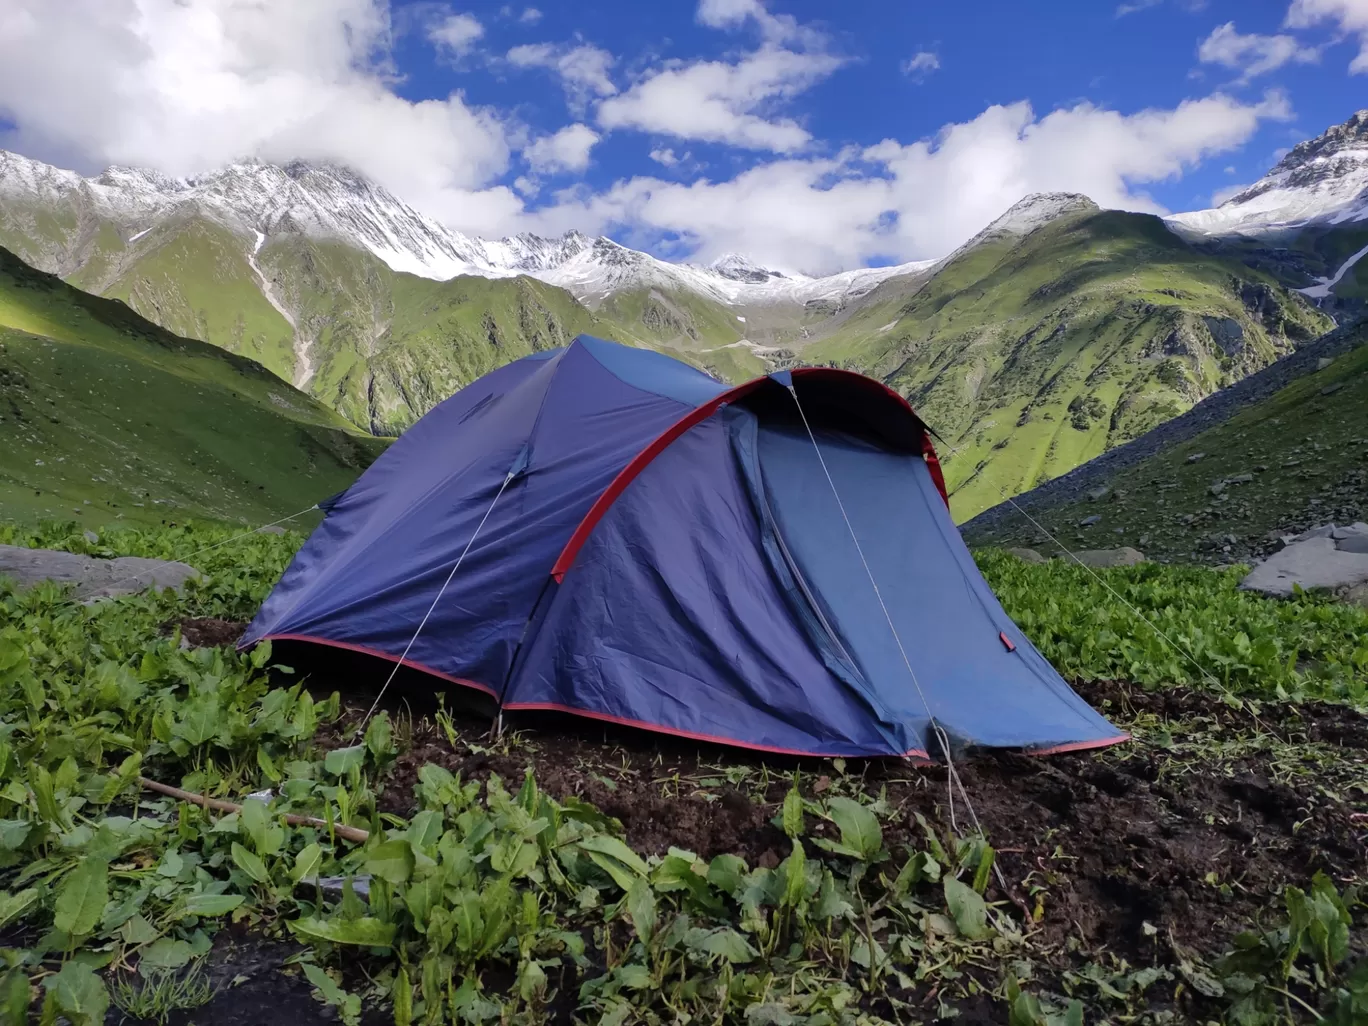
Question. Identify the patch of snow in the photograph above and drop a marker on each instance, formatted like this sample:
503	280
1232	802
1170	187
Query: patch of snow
1327	285
740	318
1321	180
135	238
889	326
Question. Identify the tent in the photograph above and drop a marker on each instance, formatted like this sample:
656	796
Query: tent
642	544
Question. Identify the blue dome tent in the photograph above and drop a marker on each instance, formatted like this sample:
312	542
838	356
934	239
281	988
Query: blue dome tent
608	532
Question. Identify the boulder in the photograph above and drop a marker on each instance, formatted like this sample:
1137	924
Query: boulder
1357	596
1314	562
271	529
1089	521
1099	493
1124	556
1027	555
93	578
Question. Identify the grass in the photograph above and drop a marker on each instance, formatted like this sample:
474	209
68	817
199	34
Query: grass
494	901
1109	310
110	417
1303	447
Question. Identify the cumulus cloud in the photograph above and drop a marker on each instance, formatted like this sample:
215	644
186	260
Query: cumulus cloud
582	69
721	101
1253	54
776	28
530	16
455	34
1351	16
923	199
189	87
566	150
920	65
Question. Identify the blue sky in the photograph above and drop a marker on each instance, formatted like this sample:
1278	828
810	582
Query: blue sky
812	135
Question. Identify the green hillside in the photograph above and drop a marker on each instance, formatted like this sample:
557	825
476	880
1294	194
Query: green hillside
1032	354
1294	460
108	416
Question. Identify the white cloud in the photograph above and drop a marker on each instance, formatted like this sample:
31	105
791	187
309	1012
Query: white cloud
530	16
582	69
1351	16
925	198
718	101
1137	5
665	157
1253	54
776	28
920	65
190	87
455	34
566	150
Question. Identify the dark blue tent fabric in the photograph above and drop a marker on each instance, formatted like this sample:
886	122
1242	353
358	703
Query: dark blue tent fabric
715	593
949	624
672	618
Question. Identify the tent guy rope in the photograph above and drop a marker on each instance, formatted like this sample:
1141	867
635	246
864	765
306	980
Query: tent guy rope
456	566
952	774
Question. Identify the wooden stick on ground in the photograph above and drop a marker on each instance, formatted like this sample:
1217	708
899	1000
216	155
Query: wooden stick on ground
349	832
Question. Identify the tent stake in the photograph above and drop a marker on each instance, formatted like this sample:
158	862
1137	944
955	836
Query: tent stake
218	805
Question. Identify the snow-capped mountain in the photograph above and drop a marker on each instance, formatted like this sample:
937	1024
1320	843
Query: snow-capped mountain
1320	181
257	200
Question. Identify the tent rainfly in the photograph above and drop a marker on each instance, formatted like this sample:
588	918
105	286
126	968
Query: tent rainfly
771	565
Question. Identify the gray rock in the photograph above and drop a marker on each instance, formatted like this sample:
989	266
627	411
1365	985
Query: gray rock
1027	555
1124	556
1357	596
1351	531
1324	531
1089	521
91	537
1314	562
1323	362
1332	389
93	578
1195	457
1099	493
1354	543
272	529
1217	488
1239	479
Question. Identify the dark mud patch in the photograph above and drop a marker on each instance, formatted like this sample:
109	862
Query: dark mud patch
206	631
1122	849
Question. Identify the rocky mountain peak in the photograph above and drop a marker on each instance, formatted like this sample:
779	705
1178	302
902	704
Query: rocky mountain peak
739	268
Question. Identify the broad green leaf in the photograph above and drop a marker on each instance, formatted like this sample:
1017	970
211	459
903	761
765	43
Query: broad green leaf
210	905
379	737
726	943
13	833
727	872
365	932
794	872
793	813
12	906
391	860
250	864
967	908
253	821
606	845
306	863
860	831
137	930
268	766
165	954
341	761
14	997
78	994
641	907
199	722
82	897
401	994
325	984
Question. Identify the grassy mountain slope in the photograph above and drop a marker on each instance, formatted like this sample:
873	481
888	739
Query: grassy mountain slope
107	415
1032	354
1302	450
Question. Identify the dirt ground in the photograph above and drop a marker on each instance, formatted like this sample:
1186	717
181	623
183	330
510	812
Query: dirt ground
1173	841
